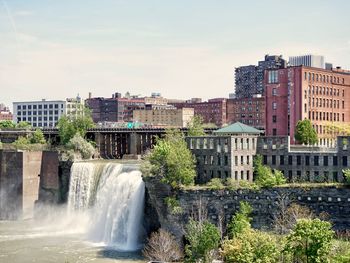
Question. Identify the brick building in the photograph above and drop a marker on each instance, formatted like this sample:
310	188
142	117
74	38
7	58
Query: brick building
250	111
212	111
5	113
300	92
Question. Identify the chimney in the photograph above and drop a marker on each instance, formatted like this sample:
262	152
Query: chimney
90	95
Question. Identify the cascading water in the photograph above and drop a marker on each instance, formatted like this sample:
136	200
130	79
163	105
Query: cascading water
112	196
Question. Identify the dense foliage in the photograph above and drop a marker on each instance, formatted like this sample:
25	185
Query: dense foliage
305	133
264	176
32	142
240	222
172	160
346	173
195	126
310	241
79	145
68	127
203	237
11	125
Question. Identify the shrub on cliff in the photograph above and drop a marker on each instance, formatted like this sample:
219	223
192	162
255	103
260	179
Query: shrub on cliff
240	222
37	137
172	160
79	145
162	246
264	176
215	184
203	238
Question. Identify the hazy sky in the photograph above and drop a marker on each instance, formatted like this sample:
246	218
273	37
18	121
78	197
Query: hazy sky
182	48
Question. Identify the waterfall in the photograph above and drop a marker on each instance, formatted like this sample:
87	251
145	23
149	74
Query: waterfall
112	195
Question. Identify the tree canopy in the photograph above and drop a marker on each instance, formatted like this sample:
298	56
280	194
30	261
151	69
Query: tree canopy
305	133
195	126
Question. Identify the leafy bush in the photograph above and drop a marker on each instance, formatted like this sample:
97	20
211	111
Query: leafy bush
7	124
310	241
251	246
80	145
264	176
233	184
195	126
37	137
240	222
215	184
203	237
162	246
346	173
305	133
23	125
173	205
22	143
172	160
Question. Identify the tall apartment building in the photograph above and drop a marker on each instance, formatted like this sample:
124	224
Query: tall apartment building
250	111
175	118
298	93
249	80
308	61
45	113
212	111
5	113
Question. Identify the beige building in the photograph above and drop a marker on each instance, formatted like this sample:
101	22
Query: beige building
164	117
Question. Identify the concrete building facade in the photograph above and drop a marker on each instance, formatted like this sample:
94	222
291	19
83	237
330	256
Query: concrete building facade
308	61
298	93
5	113
176	118
45	113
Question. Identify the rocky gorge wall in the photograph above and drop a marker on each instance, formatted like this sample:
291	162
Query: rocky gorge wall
218	206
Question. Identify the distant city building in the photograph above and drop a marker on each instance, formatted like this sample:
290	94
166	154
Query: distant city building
120	109
5	113
45	113
249	80
250	111
175	118
308	61
212	111
298	93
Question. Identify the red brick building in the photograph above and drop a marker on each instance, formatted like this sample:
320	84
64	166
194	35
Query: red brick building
300	92
5	113
250	111
212	111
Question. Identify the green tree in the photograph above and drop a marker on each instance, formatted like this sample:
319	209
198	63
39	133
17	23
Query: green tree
23	125
346	173
240	222
171	159
305	133
264	176
195	126
37	137
310	241
68	127
79	145
7	124
251	246
203	237
22	143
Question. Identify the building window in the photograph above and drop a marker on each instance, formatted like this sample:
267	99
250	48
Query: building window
274	105
273	159
273	76
325	160
298	160
274	91
274	131
316	160
274	118
345	161
281	159
290	160
265	159
307	160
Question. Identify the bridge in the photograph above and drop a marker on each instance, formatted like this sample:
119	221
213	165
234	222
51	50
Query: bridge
112	143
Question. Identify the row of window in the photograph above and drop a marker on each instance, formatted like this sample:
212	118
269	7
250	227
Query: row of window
318	176
326	103
325	91
323	78
326	116
208	143
306	160
39	106
45	112
238	175
29	119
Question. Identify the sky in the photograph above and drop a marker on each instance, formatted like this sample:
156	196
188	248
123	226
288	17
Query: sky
181	48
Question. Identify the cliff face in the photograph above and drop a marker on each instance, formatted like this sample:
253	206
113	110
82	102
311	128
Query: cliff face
218	206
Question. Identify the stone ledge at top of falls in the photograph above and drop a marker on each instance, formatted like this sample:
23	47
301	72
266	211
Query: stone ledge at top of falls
222	204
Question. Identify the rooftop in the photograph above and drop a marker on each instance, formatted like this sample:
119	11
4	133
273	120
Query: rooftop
238	128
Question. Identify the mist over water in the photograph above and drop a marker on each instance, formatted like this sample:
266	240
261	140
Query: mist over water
101	221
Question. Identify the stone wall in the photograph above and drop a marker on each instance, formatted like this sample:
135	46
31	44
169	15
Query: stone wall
220	205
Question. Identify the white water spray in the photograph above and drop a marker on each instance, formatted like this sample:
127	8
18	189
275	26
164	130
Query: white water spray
112	197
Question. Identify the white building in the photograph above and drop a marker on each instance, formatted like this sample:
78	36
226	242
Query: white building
308	61
45	113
